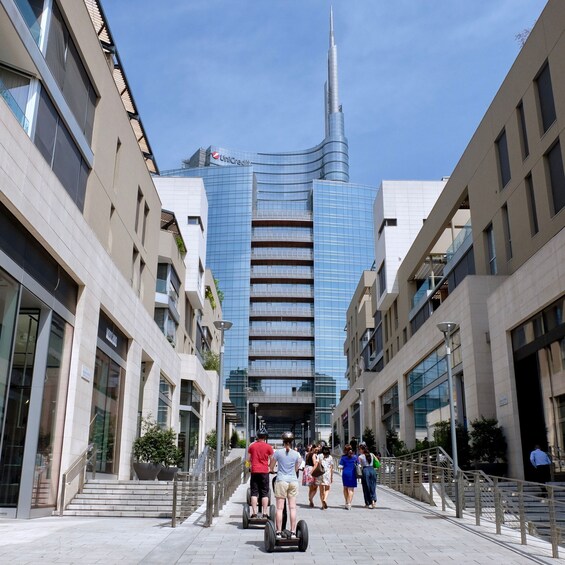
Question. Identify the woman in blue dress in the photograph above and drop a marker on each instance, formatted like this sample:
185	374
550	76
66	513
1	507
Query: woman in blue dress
347	465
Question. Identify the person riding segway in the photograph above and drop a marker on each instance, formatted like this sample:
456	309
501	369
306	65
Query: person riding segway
286	488
259	455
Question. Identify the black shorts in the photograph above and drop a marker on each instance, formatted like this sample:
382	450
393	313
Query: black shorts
260	484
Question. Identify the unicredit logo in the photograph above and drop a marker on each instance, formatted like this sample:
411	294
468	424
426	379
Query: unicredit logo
230	160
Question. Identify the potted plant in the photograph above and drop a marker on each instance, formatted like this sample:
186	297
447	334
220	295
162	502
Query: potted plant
171	456
153	450
488	446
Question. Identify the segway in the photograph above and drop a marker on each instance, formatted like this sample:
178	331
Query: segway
259	520
300	541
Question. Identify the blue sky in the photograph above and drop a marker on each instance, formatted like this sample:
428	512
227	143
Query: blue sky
416	76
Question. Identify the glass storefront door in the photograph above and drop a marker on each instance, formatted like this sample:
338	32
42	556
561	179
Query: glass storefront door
106	412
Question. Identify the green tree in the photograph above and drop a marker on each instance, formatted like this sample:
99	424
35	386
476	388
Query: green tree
234	440
395	446
488	444
211	361
369	439
442	438
211	439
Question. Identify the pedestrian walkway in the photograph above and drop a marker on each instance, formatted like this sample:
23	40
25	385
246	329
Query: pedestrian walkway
399	531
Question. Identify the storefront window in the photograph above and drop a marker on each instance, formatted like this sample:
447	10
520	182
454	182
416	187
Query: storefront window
51	423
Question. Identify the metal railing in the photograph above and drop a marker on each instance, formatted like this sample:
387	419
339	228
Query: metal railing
77	469
532	508
204	483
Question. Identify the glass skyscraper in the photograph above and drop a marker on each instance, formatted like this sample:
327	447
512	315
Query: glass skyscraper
288	239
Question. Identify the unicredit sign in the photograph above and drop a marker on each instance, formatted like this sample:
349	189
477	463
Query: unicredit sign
230	160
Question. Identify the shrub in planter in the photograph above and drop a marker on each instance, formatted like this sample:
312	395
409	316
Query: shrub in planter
154	449
488	446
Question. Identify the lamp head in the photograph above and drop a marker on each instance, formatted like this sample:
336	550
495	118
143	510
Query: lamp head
222	325
360	390
446	327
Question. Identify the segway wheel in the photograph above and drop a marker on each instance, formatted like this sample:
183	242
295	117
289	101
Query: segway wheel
272	513
302	535
270	538
248	497
245	517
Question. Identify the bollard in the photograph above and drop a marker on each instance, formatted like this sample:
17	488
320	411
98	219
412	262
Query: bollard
477	498
554	532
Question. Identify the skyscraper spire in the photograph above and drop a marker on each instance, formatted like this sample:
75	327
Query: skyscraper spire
333	94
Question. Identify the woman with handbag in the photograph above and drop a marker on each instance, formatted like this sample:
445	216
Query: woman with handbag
307	478
347	465
368	476
325	478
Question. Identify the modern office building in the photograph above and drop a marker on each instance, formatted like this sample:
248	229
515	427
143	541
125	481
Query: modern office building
289	236
500	279
100	323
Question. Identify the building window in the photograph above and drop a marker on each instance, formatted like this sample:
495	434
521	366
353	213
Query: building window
70	74
491	250
507	234
386	223
522	129
503	159
554	161
138	208
59	150
195	220
382	279
534	227
144	227
14	89
545	98
165	403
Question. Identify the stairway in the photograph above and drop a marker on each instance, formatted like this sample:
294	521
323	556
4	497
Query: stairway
140	499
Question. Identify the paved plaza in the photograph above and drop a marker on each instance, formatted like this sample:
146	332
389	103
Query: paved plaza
399	531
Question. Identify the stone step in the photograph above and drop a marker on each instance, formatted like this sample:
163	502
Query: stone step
118	514
121	507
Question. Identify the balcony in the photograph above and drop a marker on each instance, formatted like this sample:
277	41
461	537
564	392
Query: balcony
266	397
296	352
283	292
282	215
282	236
290	331
278	273
282	253
290	372
460	245
261	310
14	107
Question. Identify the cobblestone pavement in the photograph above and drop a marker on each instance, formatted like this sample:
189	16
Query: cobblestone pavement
399	531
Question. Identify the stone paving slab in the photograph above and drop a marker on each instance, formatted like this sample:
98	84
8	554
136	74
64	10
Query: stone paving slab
399	531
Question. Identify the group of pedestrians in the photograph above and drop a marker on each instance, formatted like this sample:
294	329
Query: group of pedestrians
363	463
318	474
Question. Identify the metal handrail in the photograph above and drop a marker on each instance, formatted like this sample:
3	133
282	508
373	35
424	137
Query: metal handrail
527	506
77	469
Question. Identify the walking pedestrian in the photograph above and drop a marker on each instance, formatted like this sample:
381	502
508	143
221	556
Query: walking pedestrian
542	464
325	481
307	478
369	477
347	465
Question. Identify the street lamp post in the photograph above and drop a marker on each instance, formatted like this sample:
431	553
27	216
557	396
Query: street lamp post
332	408
303	438
247	434
223	326
447	328
360	391
255	405
307	431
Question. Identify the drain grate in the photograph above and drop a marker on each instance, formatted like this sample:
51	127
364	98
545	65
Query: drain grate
435	517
